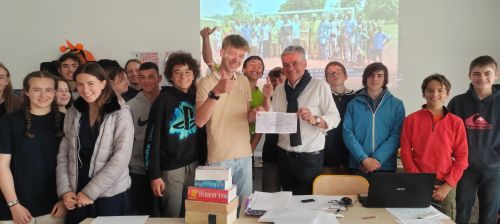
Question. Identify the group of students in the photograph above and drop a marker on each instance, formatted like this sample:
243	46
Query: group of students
101	140
66	148
458	142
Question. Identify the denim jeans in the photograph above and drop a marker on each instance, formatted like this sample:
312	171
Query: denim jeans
487	185
242	175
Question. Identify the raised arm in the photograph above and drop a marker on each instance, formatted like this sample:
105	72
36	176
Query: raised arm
206	49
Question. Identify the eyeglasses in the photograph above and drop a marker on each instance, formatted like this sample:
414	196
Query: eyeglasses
62	90
333	74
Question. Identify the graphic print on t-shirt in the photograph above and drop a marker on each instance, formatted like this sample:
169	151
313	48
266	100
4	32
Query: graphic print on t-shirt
182	123
476	121
141	123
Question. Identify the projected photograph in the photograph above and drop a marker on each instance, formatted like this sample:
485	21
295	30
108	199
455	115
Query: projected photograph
354	32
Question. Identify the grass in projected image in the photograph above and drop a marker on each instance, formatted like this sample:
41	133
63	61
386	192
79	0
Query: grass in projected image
354	32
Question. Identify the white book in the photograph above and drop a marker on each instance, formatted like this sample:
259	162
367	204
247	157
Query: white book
213	173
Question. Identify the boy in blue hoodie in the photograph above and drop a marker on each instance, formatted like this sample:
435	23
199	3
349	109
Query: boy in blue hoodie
372	124
479	108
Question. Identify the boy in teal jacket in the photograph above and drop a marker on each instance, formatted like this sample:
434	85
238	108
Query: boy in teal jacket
372	123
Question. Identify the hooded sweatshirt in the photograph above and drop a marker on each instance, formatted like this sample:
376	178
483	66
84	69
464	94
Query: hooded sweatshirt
139	108
172	140
482	124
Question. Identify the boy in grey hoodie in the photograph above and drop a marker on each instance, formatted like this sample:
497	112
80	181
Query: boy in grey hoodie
140	192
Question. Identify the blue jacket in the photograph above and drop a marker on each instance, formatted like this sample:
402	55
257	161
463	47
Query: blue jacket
369	133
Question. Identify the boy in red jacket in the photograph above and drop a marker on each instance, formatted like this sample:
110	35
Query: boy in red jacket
433	140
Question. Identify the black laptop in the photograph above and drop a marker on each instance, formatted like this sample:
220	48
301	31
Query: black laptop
399	190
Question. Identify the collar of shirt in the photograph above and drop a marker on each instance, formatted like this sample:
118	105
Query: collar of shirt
294	85
218	76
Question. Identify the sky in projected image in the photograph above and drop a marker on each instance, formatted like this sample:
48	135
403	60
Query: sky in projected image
350	31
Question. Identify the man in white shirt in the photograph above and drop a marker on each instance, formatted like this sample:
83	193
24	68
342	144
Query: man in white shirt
301	157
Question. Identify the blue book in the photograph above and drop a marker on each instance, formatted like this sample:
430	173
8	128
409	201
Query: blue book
217	184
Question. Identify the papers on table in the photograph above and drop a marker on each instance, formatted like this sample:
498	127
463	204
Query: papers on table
268	201
285	200
419	221
120	219
276	122
288	216
283	207
427	215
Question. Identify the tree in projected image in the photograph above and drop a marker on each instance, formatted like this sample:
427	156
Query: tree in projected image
354	32
294	5
240	7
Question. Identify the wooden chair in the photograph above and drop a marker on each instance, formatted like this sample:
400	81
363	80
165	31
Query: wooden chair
340	185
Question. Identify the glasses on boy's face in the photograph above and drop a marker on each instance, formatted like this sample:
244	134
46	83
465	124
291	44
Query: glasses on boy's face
333	74
62	90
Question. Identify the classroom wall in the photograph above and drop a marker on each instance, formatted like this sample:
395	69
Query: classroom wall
435	36
32	31
443	36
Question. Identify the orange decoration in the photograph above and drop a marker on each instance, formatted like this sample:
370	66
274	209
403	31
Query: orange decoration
77	49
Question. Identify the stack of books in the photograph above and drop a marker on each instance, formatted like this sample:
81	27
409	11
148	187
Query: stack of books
213	197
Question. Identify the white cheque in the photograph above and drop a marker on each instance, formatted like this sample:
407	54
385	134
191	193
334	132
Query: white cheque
276	122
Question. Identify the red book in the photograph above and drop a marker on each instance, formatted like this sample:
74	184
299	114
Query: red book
211	194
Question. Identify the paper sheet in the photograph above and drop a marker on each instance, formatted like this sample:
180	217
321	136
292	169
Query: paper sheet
281	216
419	221
415	213
276	122
120	219
267	201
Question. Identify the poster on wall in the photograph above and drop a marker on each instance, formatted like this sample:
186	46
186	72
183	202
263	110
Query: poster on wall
147	56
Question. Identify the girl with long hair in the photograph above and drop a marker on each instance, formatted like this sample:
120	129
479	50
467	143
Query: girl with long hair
29	143
64	98
92	164
8	100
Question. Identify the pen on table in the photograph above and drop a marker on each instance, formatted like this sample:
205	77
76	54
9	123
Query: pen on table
369	217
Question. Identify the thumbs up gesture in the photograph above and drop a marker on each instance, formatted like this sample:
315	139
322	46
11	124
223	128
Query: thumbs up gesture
207	31
224	85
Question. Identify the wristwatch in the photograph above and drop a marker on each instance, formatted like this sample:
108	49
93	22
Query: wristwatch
211	95
318	121
12	203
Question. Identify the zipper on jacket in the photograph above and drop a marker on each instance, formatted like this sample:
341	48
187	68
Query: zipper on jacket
373	132
373	119
433	123
77	146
